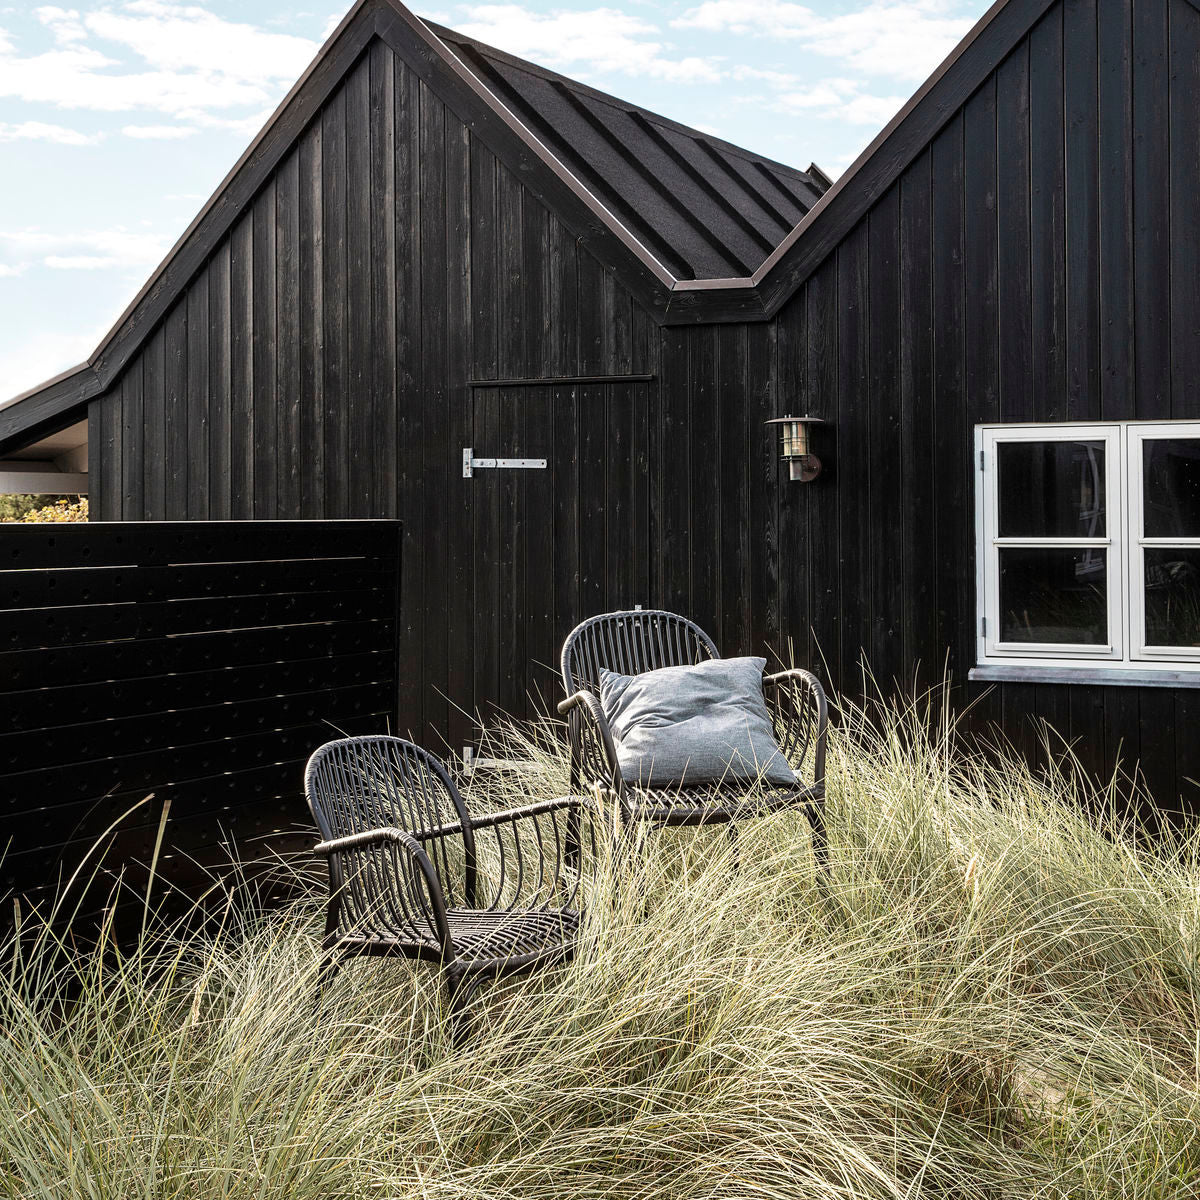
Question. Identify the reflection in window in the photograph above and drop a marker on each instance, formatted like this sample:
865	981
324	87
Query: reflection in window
1051	489
1171	482
1172	596
1054	594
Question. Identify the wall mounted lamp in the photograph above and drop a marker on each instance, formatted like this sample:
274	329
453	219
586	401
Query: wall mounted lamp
795	449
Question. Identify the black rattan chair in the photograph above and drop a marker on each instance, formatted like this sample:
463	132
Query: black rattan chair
643	640
413	874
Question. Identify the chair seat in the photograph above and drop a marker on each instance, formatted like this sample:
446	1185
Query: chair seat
481	935
715	803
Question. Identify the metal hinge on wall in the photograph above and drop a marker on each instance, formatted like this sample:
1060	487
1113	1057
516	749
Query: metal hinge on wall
983	626
981	467
472	464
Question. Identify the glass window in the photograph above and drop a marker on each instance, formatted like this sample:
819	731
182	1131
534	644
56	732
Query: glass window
1089	544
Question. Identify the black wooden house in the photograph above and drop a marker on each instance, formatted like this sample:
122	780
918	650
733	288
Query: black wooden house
436	253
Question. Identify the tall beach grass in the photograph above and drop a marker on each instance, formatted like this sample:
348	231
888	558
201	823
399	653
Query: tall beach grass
995	996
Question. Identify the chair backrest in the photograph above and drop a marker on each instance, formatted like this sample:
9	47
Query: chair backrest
359	783
630	642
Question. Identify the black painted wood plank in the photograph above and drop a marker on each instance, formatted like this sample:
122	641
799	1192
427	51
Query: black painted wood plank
542	638
564	462
220	407
1185	189
952	444
199	392
175	410
459	499
288	304
825	592
794	504
154	488
382	340
334	282
593	434
266	335
1114	34
917	468
311	382
410	494
132	436
980	270
442	466
886	546
759	379
1047	218
359	394
488	546
855	418
1013	278
704	462
735	535
1151	212
242	435
1082	215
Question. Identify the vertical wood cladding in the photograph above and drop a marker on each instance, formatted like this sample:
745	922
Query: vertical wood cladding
1038	260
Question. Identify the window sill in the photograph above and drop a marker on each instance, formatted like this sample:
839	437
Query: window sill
1103	676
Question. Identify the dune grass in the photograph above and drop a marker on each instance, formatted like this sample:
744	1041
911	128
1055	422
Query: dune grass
995	997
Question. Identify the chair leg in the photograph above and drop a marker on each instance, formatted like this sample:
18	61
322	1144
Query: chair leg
331	963
820	843
731	831
460	991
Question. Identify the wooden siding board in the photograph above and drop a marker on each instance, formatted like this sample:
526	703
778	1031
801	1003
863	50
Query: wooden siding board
242	430
759	380
288	302
794	504
460	551
220	412
1047	218
334	283
199	398
919	473
175	410
359	395
310	382
438	473
885	467
952	446
154	429
1014	311
822	302
384	281
855	418
266	334
132	443
1151	202
1081	210
410	494
1184	190
704	457
1114	35
734	411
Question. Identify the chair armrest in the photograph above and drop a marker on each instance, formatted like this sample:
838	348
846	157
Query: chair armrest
529	810
593	750
406	900
808	718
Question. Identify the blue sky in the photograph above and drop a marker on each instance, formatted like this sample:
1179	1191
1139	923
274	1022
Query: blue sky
117	120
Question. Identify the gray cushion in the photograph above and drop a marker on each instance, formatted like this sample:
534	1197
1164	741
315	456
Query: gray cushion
694	725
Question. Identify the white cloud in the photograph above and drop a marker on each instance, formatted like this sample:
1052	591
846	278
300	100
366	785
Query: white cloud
159	132
839	100
190	59
901	39
41	131
81	250
26	362
8	271
598	40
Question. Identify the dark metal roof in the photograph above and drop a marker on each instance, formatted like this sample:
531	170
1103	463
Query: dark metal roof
704	208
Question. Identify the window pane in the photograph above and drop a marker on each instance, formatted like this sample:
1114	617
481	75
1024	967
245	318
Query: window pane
1051	489
1054	594
1171	474
1172	597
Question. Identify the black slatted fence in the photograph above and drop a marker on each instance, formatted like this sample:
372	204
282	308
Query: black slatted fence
200	661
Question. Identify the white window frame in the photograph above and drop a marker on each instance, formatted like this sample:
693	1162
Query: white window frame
1137	435
1123	543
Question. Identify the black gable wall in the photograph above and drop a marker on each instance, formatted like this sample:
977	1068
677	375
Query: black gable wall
1036	260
